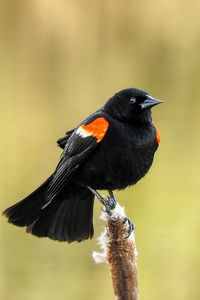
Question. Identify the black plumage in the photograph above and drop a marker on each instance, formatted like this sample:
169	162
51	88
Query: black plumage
111	149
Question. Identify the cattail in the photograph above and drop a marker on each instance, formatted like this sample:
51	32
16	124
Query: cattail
119	250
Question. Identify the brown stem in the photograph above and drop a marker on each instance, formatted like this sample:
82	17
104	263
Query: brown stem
121	257
120	253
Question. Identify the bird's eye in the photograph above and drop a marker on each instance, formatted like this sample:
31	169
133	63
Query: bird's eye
133	100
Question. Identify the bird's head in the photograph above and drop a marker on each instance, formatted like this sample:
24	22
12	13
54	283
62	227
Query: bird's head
131	104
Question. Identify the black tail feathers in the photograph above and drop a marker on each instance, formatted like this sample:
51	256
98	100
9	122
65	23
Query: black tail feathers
27	210
68	217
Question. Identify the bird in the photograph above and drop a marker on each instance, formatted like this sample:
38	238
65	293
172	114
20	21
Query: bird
112	149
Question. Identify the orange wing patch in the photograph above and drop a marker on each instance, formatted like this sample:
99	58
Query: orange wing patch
97	128
157	133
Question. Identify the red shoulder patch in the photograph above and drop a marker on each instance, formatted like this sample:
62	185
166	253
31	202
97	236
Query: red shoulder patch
97	128
157	133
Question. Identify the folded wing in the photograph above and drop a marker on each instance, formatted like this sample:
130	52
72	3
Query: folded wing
82	141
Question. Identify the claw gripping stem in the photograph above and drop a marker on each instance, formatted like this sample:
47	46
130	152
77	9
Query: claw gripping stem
119	251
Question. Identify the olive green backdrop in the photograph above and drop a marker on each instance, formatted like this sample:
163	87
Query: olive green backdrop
59	61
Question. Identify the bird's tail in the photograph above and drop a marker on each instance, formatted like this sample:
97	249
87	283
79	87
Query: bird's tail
68	217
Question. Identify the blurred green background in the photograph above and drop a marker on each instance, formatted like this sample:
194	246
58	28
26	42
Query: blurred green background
60	60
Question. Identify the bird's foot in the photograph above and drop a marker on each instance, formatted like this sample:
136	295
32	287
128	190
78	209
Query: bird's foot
130	226
108	202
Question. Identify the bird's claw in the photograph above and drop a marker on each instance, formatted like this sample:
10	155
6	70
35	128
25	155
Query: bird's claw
131	227
108	202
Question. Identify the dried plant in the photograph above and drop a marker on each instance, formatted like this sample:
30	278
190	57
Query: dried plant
119	250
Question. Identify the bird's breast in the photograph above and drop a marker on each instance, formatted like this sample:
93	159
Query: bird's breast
121	159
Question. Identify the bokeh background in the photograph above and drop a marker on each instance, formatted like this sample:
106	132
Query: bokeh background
60	60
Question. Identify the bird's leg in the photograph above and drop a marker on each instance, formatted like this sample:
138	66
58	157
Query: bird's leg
108	202
99	197
112	197
113	202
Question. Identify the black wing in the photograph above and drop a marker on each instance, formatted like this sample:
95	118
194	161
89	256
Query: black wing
79	145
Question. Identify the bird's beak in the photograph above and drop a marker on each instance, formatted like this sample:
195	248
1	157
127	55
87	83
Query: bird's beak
150	102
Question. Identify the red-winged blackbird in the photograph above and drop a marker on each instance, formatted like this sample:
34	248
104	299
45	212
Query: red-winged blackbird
111	149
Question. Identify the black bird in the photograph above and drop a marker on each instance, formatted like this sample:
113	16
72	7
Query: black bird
111	149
